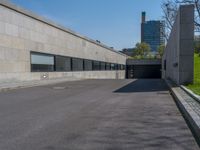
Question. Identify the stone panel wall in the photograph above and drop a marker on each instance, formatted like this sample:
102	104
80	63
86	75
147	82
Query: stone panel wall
178	58
22	32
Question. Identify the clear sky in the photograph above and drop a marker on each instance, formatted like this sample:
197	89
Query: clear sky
115	23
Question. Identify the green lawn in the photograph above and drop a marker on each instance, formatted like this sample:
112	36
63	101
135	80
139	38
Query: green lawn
196	86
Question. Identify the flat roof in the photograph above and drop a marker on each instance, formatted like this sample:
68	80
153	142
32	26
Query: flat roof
144	62
30	14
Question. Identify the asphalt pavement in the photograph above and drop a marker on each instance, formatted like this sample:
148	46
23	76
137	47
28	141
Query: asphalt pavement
93	115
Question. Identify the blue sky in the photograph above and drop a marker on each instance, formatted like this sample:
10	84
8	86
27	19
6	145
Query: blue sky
115	23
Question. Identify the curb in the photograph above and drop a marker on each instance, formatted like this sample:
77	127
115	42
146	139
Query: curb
192	119
189	92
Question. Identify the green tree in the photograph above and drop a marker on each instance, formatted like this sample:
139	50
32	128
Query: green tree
142	50
161	49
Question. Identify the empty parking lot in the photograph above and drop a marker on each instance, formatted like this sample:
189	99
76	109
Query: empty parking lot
93	115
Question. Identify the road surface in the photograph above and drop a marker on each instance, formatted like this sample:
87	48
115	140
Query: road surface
93	115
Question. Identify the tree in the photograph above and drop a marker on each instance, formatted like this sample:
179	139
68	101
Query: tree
170	8
142	50
196	4
161	49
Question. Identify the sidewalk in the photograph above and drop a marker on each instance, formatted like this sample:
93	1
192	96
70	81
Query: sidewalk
24	84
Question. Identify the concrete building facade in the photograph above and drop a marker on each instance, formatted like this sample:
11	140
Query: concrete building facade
33	48
178	58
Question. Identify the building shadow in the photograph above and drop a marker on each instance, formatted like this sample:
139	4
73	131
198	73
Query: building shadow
144	85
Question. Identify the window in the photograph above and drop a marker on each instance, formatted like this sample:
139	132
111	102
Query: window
87	65
96	65
118	67
42	62
77	64
115	66
165	64
107	66
103	66
63	63
124	67
112	66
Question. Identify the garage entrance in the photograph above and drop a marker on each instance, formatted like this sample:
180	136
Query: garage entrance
143	69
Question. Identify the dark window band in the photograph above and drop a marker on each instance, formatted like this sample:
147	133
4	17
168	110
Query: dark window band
42	62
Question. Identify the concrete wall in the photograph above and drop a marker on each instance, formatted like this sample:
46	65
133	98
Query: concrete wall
22	32
179	52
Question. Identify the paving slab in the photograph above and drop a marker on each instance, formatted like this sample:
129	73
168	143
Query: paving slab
93	115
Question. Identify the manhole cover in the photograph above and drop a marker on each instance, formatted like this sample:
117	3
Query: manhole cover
58	88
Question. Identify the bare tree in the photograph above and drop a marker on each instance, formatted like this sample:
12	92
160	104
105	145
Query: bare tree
170	8
196	3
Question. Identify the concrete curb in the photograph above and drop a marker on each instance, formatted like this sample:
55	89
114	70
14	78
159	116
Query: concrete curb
189	92
20	85
191	117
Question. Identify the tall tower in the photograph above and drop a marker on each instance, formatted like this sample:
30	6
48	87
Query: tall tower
143	17
152	32
143	20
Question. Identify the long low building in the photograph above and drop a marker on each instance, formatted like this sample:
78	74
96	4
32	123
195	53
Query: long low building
34	48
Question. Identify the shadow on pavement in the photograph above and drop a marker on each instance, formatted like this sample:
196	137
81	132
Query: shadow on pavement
144	85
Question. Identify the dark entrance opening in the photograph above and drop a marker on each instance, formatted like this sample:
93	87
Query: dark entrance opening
144	71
